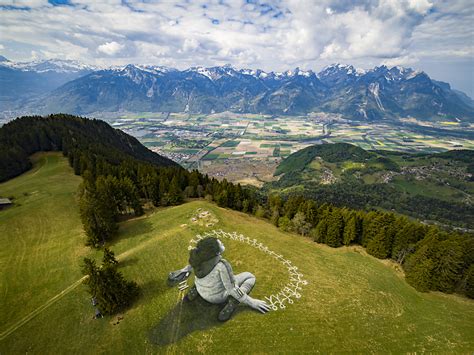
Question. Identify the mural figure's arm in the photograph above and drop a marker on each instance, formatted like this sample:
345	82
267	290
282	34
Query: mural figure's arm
234	291
181	274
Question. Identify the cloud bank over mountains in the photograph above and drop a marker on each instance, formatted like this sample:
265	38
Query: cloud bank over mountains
272	35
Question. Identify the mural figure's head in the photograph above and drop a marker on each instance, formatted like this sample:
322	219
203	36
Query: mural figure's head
206	249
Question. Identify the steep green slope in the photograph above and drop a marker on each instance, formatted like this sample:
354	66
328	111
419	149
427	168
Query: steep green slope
437	187
352	302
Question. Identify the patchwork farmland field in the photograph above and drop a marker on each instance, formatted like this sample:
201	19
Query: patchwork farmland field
231	145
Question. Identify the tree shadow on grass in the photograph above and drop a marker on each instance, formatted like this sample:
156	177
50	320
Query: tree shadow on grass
128	262
132	229
185	318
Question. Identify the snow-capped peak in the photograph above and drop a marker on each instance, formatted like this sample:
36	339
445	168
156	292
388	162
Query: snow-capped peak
155	69
259	74
205	71
338	68
396	73
50	65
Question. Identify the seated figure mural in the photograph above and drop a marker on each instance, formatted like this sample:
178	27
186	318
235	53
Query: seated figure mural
215	281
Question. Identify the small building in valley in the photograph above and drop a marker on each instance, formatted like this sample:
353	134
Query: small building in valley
5	202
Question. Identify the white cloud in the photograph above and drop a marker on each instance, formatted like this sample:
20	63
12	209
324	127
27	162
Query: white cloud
405	61
110	48
420	6
24	3
273	35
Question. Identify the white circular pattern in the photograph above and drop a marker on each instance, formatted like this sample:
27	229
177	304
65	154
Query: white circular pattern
277	300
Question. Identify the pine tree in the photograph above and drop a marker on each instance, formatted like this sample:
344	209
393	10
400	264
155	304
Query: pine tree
98	216
370	227
319	233
449	263
108	286
246	206
420	266
350	230
310	210
275	217
469	282
292	205
109	257
379	246
335	228
175	194
405	238
222	198
420	275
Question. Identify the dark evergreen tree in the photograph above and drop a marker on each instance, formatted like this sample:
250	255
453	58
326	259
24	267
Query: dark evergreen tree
335	228
469	282
350	229
419	272
319	233
108	286
175	194
109	258
380	246
449	262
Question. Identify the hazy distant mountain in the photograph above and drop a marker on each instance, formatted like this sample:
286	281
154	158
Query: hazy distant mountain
378	93
20	82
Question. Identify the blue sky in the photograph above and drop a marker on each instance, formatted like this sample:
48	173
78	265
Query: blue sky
432	35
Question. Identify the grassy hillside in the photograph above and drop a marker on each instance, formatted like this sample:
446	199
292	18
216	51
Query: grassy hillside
352	302
437	187
41	237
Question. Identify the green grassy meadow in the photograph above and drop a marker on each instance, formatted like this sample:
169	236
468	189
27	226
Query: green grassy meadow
352	303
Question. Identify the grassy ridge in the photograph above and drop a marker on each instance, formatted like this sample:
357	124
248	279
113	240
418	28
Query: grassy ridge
353	302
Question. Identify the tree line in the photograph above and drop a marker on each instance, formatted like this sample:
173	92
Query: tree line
109	192
432	259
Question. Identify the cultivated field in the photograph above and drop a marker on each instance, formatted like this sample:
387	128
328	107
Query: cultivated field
352	302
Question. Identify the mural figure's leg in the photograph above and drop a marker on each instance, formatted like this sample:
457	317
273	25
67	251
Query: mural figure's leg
244	283
192	294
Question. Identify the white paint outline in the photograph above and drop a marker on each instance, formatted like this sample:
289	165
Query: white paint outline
289	293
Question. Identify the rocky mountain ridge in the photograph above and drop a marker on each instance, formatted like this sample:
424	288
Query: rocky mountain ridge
378	93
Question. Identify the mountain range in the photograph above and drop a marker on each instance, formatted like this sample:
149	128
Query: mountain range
378	93
21	82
